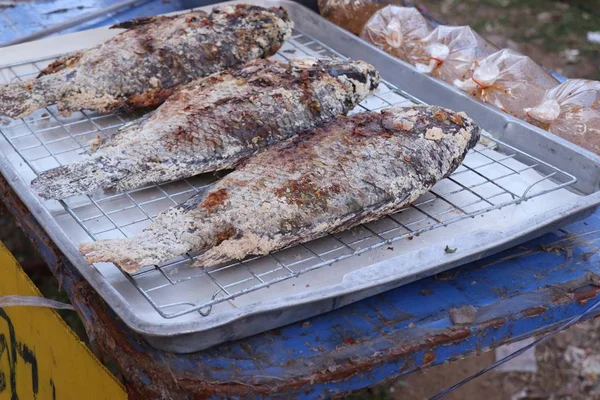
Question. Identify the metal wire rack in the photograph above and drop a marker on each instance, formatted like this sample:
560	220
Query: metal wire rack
494	175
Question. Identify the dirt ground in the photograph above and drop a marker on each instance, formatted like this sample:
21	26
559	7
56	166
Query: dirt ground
568	367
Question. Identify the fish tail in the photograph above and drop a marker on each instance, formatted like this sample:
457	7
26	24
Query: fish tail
19	99
167	238
79	178
121	252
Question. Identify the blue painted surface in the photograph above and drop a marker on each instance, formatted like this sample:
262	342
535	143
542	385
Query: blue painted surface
31	17
525	289
517	292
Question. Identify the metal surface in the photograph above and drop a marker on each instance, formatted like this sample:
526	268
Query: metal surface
79	20
517	177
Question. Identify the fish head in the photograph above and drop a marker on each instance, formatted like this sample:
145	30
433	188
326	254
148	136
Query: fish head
432	123
363	77
272	25
282	26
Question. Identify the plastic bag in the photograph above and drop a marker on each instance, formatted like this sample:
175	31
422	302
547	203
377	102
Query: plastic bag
352	14
33	301
571	111
396	30
449	52
509	81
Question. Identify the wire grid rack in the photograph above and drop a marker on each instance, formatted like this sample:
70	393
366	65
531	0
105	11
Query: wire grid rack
483	183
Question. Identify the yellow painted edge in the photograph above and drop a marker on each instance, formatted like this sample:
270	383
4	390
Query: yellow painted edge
6	259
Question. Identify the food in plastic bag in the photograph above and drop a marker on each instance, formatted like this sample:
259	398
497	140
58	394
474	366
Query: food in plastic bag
352	14
396	30
509	81
571	111
449	52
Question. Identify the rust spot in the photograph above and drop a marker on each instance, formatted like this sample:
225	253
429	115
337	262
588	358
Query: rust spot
429	357
493	323
446	276
558	249
349	340
215	199
62	63
582	296
451	335
426	292
533	311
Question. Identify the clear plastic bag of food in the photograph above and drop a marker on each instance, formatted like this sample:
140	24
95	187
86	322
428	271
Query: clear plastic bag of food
352	14
449	52
509	81
396	30
572	111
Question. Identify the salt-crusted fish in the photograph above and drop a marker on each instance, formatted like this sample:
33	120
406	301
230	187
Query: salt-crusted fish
348	172
142	66
215	122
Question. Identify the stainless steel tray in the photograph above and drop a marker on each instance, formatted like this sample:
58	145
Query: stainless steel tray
518	183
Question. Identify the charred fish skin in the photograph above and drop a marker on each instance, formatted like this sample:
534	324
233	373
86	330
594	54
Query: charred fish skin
350	171
213	123
142	66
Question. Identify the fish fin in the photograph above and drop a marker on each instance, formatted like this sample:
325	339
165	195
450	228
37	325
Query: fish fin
68	61
197	198
100	143
135	22
210	258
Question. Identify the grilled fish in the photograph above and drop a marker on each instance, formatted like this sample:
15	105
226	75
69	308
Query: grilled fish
214	122
351	171
142	66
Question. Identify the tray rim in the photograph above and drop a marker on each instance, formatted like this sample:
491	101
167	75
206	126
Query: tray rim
42	48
